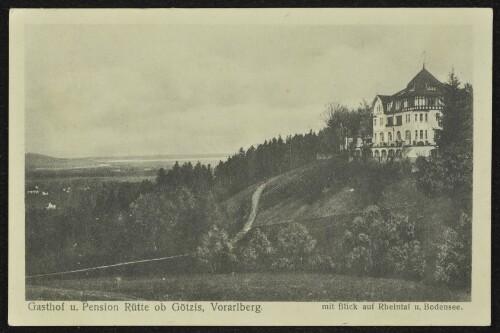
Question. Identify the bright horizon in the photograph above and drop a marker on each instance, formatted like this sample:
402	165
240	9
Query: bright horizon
129	90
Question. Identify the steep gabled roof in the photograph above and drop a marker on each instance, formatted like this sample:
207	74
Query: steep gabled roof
423	84
385	98
418	86
423	77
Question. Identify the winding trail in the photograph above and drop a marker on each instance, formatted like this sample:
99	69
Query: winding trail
253	213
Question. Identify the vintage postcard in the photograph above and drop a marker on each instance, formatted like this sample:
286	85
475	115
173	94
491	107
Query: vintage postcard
250	167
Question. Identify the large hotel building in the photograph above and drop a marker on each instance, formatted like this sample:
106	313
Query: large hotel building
405	124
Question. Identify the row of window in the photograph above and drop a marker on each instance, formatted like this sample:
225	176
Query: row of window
419	101
423	136
399	119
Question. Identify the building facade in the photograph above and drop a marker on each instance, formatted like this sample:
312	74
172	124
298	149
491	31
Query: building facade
405	124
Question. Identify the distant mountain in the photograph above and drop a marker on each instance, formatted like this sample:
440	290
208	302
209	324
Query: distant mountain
35	161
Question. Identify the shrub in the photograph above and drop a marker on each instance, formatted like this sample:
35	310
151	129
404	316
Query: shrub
453	264
294	247
256	253
216	251
321	262
360	261
378	246
407	260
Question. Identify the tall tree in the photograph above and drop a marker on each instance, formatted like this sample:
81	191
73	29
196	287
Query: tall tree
457	117
451	172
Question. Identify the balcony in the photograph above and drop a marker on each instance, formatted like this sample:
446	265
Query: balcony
416	108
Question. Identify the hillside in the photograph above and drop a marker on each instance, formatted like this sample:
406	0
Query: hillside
35	161
330	209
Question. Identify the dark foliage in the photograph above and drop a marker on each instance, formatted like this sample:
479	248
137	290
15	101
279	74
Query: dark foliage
383	246
454	256
450	173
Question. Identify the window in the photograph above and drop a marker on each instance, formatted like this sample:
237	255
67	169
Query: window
421	134
408	137
405	103
390	121
430	87
416	119
421	117
438	119
389	137
374	121
381	137
426	134
416	135
374	137
399	120
398	136
381	121
426	117
419	101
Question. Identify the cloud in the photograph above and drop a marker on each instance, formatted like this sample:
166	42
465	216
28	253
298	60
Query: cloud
124	89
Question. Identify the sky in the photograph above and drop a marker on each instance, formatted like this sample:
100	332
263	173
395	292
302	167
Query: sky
120	90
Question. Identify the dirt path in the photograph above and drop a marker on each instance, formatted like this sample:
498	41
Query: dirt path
253	213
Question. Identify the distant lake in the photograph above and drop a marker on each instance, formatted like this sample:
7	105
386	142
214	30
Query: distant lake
126	164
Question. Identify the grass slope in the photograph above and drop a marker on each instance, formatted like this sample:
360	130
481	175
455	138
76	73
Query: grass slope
283	201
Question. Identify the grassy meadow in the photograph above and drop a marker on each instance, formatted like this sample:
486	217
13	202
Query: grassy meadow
243	287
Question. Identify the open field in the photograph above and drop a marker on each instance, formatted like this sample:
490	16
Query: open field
243	287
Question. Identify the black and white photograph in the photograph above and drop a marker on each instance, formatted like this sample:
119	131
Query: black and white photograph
233	163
